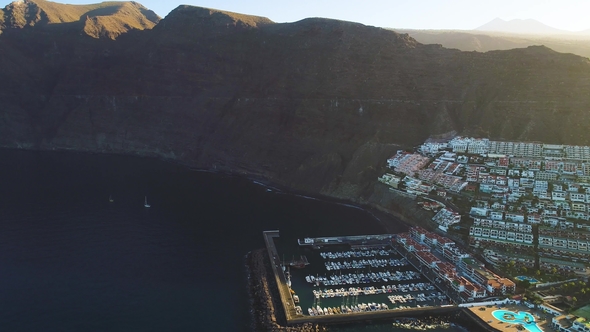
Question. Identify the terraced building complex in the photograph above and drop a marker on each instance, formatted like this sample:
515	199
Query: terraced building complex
528	198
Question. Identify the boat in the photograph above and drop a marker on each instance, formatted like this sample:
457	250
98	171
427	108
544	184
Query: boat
288	275
299	263
145	204
111	199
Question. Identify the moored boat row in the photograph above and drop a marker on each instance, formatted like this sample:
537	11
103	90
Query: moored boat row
361	307
355	291
360	264
422	297
400	298
362	278
356	253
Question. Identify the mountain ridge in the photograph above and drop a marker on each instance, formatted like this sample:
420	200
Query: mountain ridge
482	41
316	105
106	19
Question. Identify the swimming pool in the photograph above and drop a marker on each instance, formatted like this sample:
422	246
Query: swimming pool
521	317
530	279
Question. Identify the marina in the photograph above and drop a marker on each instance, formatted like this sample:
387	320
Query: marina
348	265
361	278
355	291
352	278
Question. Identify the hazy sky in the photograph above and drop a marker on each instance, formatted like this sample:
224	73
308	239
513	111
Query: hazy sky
417	14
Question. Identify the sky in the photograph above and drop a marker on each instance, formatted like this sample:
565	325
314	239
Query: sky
571	15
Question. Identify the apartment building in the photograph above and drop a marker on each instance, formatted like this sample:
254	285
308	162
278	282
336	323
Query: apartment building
432	147
546	176
409	164
446	217
574	152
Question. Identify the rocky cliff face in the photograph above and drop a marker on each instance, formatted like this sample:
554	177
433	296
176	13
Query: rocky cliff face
316	105
107	19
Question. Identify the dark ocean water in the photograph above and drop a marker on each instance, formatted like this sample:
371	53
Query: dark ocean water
72	261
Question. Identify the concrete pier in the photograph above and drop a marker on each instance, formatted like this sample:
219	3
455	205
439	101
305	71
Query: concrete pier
276	264
354	241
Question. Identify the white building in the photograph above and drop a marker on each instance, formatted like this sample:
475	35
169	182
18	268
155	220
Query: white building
446	217
460	144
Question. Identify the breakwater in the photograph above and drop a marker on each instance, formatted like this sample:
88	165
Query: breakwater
266	314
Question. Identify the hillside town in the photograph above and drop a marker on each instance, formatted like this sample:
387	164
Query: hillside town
523	208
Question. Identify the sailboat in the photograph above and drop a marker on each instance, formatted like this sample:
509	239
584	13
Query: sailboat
111	199
146	203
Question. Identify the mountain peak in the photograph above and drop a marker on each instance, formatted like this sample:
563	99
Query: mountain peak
519	26
192	22
106	19
216	17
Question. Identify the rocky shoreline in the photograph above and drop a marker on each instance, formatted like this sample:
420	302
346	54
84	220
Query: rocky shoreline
266	314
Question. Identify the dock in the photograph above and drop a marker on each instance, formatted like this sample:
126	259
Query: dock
364	241
276	264
367	241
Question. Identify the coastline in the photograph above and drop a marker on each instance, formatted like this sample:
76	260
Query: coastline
381	214
272	321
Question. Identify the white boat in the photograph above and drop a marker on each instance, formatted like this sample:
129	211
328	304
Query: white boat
288	275
145	204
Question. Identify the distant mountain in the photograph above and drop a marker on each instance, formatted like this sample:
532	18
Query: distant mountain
483	41
106	19
517	26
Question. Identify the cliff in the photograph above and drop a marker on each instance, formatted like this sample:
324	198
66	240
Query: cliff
106	19
316	105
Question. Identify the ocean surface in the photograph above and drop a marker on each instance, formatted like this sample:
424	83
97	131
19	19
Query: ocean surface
70	260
